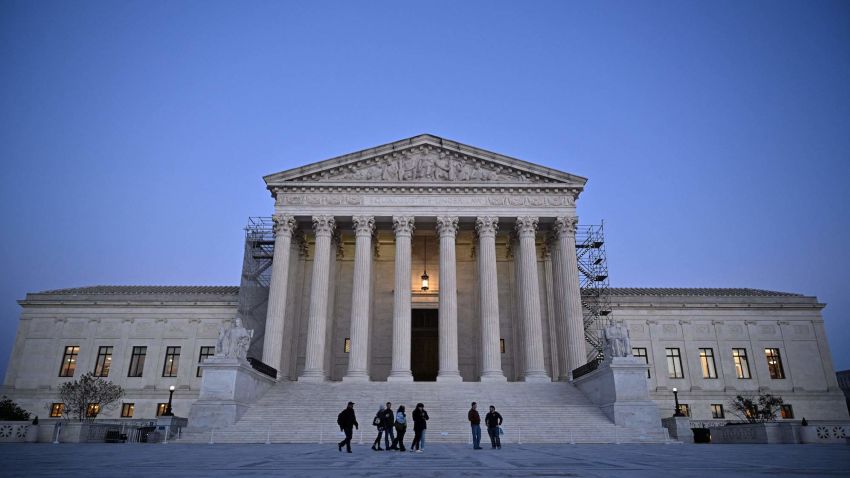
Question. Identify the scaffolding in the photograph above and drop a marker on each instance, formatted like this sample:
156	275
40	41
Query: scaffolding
256	277
593	279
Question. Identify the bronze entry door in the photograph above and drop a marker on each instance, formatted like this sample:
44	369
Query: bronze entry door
424	345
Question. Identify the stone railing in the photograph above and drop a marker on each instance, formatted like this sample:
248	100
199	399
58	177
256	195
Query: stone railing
262	367
585	369
23	431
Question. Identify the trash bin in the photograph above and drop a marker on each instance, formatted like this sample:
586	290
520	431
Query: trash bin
702	435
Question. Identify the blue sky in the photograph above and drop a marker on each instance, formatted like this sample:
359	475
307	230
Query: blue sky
715	135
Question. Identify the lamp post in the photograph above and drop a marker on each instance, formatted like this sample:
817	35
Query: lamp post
171	394
677	413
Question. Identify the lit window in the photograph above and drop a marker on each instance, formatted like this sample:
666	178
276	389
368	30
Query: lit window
137	361
674	363
641	352
69	361
774	363
56	410
786	411
346	345
502	345
685	409
205	352
742	365
172	360
160	409
706	360
104	361
127	410
92	410
717	410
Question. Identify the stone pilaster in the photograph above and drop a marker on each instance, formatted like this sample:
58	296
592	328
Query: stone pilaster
447	229
572	327
400	372
358	368
535	371
491	363
317	321
276	312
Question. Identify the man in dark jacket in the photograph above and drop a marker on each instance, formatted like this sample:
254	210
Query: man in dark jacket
388	420
346	420
420	419
475	423
494	423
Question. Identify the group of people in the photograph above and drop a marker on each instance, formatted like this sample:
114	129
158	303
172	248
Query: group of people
392	426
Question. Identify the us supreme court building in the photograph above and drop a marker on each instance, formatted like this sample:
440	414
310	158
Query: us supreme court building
424	270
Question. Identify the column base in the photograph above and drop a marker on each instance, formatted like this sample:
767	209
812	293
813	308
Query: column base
356	377
536	377
400	377
312	376
450	377
494	377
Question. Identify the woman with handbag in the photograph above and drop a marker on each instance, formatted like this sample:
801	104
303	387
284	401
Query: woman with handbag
378	422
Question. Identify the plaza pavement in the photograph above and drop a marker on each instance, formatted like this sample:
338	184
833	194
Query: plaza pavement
189	461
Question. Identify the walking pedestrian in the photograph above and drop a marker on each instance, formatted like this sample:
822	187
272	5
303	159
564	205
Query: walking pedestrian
400	428
493	420
378	422
420	419
475	423
346	420
388	419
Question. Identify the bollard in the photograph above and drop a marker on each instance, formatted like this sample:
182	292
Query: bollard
616	436
211	436
321	434
519	436
178	432
167	432
361	437
269	435
57	429
572	438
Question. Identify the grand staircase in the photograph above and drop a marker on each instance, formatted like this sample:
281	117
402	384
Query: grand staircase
299	412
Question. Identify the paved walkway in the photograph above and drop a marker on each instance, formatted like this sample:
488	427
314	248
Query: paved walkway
187	461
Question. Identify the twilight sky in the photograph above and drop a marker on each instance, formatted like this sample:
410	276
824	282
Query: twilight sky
715	135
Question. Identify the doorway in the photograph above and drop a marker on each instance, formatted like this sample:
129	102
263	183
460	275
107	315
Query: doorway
424	345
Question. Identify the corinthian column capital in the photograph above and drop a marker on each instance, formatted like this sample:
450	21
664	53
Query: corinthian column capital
526	226
283	224
403	225
565	225
486	225
363	225
324	225
447	226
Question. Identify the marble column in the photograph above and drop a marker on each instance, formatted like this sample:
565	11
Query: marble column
276	312
400	372
535	371
560	304
447	229
573	325
317	320
358	368
491	360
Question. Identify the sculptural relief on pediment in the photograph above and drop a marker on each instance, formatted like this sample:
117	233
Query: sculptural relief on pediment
425	164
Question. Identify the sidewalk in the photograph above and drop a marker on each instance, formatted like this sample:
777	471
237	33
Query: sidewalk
189	461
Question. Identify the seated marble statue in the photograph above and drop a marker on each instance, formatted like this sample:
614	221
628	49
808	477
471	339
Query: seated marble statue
233	340
617	342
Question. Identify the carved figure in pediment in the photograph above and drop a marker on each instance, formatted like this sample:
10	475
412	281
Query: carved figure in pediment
462	171
443	169
409	166
426	168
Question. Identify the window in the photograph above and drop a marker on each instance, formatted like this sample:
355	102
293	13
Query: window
104	361
742	365
92	410
127	410
205	352
674	363
502	345
717	410
160	409
137	361
786	411
706	360
641	352
56	410
69	361
774	363
172	360
685	409
346	345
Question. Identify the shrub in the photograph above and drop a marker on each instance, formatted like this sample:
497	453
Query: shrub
10	411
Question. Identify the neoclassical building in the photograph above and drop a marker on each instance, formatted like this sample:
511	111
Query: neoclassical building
424	260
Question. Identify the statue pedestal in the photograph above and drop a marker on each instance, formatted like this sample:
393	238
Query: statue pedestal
679	428
619	388
228	387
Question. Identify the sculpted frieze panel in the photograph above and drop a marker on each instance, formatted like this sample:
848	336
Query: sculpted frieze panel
482	200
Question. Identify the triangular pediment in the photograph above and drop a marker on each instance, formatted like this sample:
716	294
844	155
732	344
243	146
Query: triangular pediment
425	159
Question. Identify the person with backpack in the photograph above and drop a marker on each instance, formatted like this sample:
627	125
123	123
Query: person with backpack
420	419
400	429
378	422
493	420
346	420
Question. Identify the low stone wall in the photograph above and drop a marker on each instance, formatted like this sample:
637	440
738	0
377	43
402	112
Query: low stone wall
782	433
18	432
